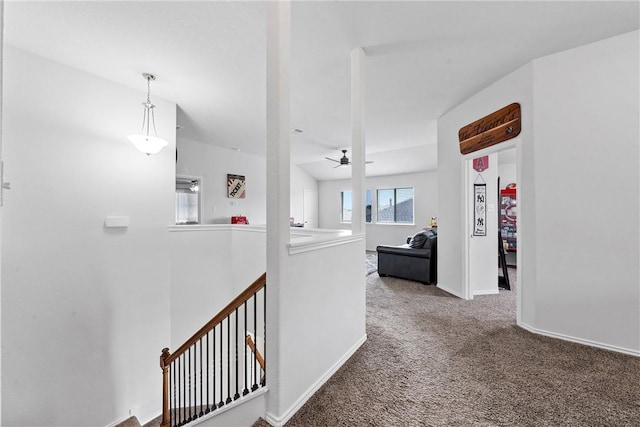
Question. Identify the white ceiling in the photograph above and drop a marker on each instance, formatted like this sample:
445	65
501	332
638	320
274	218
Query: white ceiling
423	58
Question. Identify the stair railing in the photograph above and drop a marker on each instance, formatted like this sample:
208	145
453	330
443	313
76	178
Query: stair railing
214	367
258	355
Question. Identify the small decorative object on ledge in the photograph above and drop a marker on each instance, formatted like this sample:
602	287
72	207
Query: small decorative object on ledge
235	186
497	127
239	219
433	222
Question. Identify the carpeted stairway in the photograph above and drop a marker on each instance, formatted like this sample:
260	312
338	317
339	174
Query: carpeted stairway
133	422
435	360
129	422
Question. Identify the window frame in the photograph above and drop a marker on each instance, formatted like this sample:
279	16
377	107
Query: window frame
342	220
185	179
342	193
395	204
370	192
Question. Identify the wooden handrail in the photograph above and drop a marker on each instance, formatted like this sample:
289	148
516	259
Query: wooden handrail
230	308
253	348
165	387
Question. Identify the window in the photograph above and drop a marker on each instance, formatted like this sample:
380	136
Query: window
187	201
347	206
395	205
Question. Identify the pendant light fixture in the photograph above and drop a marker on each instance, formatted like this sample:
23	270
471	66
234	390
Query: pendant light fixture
143	141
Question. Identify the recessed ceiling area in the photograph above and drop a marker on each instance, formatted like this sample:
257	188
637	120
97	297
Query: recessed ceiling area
423	58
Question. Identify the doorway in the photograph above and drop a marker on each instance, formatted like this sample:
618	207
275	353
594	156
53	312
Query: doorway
508	201
482	269
310	209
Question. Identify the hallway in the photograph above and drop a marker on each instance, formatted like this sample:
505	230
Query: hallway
432	359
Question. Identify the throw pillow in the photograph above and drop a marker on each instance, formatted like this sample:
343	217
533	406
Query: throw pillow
417	241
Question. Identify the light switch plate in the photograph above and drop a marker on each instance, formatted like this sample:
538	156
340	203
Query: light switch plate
116	221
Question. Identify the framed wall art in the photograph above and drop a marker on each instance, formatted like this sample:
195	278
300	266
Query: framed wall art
235	186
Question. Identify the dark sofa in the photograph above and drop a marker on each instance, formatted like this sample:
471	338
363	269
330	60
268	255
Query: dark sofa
415	260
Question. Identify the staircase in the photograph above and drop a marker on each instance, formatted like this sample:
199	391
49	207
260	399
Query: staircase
133	422
221	366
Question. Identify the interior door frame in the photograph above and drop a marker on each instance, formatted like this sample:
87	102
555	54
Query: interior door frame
467	293
1	180
304	206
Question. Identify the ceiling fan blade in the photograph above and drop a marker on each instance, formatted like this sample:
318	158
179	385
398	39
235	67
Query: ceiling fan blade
333	160
369	161
336	166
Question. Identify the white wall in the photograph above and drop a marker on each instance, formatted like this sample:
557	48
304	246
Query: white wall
211	265
212	164
322	312
84	308
300	181
1	183
200	278
244	414
586	117
425	206
578	268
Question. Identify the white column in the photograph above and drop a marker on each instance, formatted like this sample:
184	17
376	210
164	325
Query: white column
357	139
1	104
278	192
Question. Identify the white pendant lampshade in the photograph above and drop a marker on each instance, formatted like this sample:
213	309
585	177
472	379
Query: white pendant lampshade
148	144
144	141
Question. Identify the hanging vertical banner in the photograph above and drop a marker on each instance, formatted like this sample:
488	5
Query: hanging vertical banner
235	186
479	210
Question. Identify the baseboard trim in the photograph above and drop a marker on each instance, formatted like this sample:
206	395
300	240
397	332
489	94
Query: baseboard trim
118	421
579	340
491	292
451	291
276	421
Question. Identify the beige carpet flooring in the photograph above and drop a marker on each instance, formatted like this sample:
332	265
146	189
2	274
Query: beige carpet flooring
435	360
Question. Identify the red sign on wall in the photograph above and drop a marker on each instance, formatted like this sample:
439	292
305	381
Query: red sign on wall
481	163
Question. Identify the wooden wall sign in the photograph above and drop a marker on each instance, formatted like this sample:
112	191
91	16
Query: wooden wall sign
497	127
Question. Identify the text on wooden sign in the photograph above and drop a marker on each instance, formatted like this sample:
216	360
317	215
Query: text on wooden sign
497	127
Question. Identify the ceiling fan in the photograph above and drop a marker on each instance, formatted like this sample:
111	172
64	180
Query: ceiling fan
344	160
